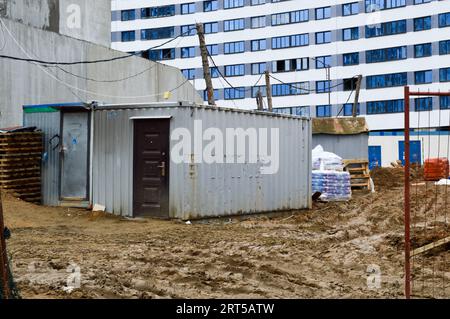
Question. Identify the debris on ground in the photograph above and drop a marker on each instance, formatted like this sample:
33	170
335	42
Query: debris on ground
325	252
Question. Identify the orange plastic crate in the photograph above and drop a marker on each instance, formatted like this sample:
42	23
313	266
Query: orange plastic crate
436	169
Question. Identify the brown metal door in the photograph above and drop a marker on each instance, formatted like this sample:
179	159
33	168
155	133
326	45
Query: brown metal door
151	168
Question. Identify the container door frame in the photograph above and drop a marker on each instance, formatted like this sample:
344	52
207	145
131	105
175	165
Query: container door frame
164	209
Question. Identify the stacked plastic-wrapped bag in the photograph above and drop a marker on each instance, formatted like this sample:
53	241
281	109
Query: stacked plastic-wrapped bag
328	177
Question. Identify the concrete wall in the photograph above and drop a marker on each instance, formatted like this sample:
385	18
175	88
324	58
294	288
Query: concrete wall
24	83
81	19
345	146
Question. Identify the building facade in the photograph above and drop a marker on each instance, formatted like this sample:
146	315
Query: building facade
313	49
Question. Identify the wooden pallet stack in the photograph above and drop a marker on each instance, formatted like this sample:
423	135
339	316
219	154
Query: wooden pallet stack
20	164
359	173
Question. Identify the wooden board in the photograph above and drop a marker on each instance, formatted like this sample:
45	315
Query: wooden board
359	173
20	164
428	247
18	181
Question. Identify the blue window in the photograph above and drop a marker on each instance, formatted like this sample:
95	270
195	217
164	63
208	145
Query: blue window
348	109
258	22
350	34
389	54
351	58
290	17
376	5
380	107
283	110
422	50
213	49
323	37
290	65
323	111
423	23
158	12
235	70
423	77
299	16
188	52
257	2
234	93
211	27
259	68
424	104
290	41
349	9
444	20
323	86
259	45
229	4
387	80
233	25
301	111
187	30
261	88
421	1
234	47
128	36
444	75
159	33
188	8
214	72
323	13
444	47
444	102
386	28
128	15
211	5
216	95
162	54
323	62
189	73
290	89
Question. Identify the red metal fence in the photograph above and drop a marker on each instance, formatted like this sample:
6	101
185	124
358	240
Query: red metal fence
427	231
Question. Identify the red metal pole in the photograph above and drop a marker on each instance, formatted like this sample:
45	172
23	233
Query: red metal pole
407	200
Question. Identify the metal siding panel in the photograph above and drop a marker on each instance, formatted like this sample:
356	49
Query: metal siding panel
49	124
346	146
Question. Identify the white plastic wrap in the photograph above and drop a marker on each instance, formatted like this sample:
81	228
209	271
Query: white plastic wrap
322	160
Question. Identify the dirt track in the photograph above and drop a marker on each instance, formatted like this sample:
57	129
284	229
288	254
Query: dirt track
322	253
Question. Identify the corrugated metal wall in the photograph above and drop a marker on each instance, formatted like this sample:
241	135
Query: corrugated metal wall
49	123
346	146
204	190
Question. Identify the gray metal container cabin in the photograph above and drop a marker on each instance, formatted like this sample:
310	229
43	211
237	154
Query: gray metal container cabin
127	136
345	137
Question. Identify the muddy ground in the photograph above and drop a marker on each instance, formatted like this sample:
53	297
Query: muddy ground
328	252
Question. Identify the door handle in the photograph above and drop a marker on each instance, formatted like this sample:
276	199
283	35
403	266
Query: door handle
163	169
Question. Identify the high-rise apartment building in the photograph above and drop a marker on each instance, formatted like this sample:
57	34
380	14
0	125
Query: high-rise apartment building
313	49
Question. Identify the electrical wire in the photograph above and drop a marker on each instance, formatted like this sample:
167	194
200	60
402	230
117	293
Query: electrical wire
225	79
68	85
91	61
308	90
343	106
117	80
